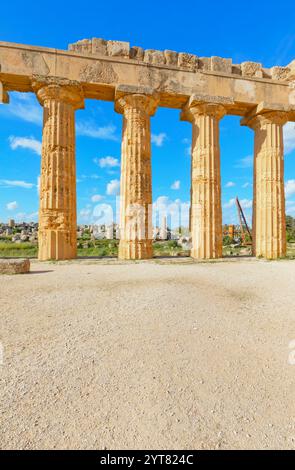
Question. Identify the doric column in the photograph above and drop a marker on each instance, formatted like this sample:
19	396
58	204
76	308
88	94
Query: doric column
57	211
205	212
136	181
269	219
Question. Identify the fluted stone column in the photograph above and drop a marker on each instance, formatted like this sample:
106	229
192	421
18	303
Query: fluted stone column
57	211
269	219
205	212
136	181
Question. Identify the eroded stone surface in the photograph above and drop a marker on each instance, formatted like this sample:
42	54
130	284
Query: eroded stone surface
14	266
136	181
251	69
280	73
205	214
57	211
269	220
182	59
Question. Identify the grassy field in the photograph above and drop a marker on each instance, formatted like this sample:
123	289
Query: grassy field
17	250
101	248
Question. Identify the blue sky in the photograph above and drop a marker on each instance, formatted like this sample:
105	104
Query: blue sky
259	31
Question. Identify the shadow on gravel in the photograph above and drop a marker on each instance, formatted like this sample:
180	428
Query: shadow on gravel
41	272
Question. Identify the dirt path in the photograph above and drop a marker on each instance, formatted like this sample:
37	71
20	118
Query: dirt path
148	355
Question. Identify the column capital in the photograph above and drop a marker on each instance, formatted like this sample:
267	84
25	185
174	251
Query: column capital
142	98
51	88
257	121
191	112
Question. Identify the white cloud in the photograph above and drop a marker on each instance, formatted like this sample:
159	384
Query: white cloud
188	148
85	213
230	203
230	184
88	129
24	106
290	207
245	203
16	183
246	162
38	184
26	217
107	162
96	198
158	139
176	211
113	187
11	206
289	137
230	214
290	188
246	185
175	185
188	151
26	143
103	214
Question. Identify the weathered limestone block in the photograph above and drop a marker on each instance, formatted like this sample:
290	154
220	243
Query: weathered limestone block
148	55
266	72
99	46
187	61
4	98
171	58
291	66
205	212
236	69
269	221
118	48
57	212
280	73
218	64
251	69
158	58
84	46
204	63
136	184
14	266
182	60
154	57
137	53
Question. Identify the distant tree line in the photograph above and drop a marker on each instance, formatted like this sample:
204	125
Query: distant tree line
290	228
290	225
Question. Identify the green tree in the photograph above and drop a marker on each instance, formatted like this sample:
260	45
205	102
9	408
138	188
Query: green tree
290	227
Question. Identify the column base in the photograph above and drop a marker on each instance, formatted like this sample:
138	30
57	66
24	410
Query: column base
206	252
270	256
55	245
135	249
196	255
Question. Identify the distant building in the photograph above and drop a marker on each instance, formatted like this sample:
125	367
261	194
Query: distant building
163	229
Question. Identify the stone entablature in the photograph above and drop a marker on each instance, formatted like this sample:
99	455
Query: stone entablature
175	77
182	60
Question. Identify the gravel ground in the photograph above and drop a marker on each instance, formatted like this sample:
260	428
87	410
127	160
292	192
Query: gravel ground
160	354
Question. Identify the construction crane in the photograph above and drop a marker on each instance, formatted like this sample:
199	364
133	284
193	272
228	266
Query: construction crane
243	224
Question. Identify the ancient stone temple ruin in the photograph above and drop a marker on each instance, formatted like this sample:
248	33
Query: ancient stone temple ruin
204	89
